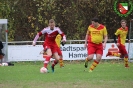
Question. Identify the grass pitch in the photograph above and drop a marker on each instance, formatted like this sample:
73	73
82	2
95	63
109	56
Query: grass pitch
105	75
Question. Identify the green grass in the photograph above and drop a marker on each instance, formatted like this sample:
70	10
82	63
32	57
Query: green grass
106	75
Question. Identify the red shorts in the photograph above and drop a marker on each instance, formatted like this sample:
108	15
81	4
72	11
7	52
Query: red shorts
59	51
122	49
95	48
54	48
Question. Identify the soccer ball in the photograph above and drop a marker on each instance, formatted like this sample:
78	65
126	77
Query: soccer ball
4	64
43	70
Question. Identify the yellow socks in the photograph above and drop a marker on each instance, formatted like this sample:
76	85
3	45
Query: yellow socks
94	64
61	62
126	62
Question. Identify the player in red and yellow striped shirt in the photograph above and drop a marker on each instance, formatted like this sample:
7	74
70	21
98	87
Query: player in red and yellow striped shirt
122	34
96	33
58	42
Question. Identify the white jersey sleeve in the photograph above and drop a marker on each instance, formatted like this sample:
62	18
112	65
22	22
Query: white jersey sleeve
44	30
59	31
62	34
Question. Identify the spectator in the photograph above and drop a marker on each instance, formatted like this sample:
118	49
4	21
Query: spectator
1	54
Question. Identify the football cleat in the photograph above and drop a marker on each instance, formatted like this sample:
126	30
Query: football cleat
62	66
90	70
126	66
86	63
52	68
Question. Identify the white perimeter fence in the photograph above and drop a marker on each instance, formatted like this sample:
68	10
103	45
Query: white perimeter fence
70	51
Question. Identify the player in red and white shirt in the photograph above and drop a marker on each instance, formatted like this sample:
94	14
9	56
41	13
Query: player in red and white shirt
49	45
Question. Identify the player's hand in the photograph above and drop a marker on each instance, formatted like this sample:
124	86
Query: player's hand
104	46
34	43
63	42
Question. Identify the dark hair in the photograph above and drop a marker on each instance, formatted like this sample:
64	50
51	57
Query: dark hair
95	19
123	20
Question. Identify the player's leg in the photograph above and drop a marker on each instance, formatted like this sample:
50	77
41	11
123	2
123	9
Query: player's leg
124	52
43	52
90	51
1	56
126	61
88	58
95	62
99	53
56	56
61	62
54	49
47	57
61	57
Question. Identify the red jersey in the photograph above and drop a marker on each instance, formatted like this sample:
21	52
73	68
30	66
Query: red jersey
50	35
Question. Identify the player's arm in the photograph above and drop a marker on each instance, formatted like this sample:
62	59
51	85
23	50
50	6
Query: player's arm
63	39
115	35
105	41
86	38
62	35
37	36
61	42
115	38
105	38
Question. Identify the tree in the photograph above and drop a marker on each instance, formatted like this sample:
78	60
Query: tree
27	17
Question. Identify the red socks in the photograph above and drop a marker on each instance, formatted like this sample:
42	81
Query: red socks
47	59
54	63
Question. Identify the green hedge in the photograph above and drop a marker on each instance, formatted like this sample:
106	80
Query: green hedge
27	17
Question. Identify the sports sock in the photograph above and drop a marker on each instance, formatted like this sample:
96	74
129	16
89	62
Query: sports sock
45	55
61	62
94	64
54	63
126	61
47	59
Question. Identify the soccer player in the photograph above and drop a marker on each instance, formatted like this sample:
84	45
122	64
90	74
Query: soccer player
49	45
1	53
58	42
122	34
96	33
